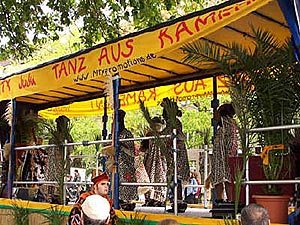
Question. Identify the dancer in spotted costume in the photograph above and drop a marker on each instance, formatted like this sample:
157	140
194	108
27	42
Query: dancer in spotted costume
126	161
225	145
57	167
171	114
154	160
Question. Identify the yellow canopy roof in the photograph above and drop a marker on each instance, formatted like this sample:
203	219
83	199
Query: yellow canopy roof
145	59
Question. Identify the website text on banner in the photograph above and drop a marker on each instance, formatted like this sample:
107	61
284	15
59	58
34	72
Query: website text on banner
123	53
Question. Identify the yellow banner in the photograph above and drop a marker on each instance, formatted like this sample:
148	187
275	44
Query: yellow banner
127	52
180	92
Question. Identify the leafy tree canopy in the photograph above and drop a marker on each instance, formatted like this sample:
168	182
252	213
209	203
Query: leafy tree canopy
26	24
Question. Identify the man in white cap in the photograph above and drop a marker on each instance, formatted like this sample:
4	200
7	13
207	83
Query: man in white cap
95	210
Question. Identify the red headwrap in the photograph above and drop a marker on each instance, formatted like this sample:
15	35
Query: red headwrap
101	177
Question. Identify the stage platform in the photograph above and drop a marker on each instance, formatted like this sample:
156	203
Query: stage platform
194	214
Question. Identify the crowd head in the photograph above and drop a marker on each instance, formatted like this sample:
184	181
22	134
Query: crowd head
168	222
254	214
95	210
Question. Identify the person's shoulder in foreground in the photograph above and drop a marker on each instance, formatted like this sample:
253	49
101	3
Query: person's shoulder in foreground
254	214
168	222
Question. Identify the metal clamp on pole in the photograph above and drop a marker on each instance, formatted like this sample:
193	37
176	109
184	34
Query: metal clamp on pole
85	143
174	150
174	136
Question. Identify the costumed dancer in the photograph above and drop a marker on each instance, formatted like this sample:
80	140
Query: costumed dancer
225	146
141	174
56	164
126	162
100	187
171	114
6	112
5	166
154	161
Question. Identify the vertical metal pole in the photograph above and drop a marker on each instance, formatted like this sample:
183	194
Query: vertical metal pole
116	83
12	158
97	163
175	172
104	119
214	105
65	153
104	134
247	174
1	154
65	160
205	173
65	193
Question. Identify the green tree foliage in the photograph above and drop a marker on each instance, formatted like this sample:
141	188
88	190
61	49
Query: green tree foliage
48	51
85	129
27	24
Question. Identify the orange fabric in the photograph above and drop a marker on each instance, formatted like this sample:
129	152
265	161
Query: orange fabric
265	153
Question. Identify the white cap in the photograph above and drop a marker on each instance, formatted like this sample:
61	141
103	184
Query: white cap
96	207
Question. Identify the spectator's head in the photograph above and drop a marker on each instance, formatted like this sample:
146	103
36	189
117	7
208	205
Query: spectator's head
101	184
194	174
168	222
254	214
69	177
95	210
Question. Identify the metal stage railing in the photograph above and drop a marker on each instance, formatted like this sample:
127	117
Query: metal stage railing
247	181
86	143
